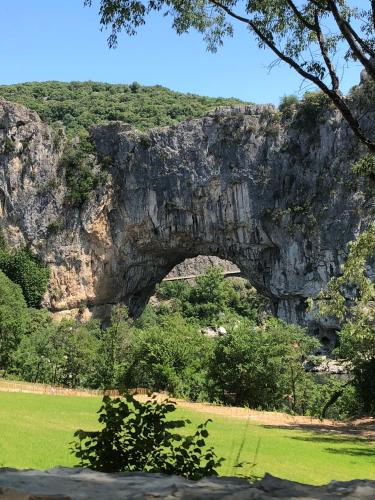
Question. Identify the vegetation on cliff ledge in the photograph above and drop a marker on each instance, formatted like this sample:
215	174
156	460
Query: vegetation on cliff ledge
24	268
78	105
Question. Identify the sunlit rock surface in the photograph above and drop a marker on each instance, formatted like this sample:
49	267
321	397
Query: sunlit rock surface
279	201
199	265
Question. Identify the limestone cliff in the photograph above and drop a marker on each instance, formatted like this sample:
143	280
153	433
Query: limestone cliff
276	199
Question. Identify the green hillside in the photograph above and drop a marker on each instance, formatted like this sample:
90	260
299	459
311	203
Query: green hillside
78	105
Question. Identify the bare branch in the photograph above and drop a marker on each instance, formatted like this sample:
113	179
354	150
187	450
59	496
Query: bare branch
354	34
300	16
323	49
359	40
346	32
333	94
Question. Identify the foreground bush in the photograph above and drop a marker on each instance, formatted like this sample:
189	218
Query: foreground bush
140	437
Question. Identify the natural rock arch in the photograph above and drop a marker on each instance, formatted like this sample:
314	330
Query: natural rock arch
277	200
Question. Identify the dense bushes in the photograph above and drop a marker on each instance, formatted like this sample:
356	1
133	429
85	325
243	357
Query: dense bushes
365	168
214	300
23	282
58	354
78	105
13	319
23	268
350	298
79	174
261	366
288	106
259	361
170	354
306	114
83	173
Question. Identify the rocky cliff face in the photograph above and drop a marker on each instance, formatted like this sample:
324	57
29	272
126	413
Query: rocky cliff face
276	199
199	265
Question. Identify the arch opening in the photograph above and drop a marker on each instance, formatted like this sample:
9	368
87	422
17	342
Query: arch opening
217	283
192	267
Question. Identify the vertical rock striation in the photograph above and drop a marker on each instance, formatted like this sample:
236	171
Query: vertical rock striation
277	199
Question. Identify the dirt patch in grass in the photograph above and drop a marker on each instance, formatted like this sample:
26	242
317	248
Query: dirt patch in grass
361	428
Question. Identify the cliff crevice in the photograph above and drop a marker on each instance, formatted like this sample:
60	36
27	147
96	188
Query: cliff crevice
242	184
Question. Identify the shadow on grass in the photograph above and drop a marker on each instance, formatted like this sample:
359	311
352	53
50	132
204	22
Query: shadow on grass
353	452
359	432
319	438
334	437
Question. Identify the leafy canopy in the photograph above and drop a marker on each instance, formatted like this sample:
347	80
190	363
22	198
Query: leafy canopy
314	37
351	296
260	366
13	318
170	354
59	354
351	299
213	298
23	268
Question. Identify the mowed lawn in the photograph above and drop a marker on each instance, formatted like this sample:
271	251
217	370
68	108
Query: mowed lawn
35	432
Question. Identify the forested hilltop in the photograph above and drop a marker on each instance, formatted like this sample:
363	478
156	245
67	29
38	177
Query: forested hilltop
77	105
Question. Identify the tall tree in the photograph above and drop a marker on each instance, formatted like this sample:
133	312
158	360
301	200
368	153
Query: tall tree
350	298
14	319
314	37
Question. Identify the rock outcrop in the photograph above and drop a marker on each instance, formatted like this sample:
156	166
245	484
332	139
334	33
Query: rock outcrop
85	484
275	198
199	265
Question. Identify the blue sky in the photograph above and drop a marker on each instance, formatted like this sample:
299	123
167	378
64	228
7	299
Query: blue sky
61	40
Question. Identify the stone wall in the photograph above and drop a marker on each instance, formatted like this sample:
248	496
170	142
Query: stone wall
84	484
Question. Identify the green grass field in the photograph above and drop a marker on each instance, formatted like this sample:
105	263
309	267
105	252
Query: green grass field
35	431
